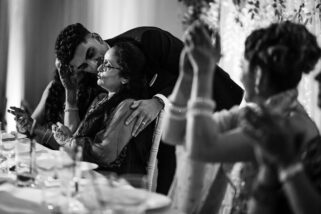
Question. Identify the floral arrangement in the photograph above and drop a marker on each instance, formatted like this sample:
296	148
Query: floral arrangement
206	11
270	11
251	13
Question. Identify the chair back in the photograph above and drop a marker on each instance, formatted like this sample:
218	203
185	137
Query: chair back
152	163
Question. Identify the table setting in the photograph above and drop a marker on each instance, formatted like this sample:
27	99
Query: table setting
36	179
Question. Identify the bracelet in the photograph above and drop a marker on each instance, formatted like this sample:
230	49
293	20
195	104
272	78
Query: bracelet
43	137
200	112
177	109
177	112
71	109
290	171
174	116
202	103
48	139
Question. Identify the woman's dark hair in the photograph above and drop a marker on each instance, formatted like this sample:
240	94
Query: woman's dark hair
284	50
88	90
132	61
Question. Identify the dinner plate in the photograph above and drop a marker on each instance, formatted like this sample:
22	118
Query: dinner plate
10	136
86	166
47	161
130	195
156	201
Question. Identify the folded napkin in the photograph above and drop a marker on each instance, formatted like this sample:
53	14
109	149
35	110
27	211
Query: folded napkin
20	200
7	137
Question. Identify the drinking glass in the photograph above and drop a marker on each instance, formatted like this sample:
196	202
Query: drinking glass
47	166
2	158
25	177
52	198
8	150
130	199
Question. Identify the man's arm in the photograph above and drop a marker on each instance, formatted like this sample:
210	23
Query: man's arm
162	52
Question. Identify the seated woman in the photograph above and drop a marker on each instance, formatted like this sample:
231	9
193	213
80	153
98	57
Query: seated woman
275	58
281	163
285	163
105	138
50	109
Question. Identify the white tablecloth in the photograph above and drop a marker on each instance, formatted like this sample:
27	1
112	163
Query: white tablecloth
30	200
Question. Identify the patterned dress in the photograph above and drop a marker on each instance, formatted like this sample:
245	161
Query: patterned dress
103	131
311	158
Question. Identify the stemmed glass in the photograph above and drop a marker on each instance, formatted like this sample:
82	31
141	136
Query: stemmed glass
130	194
8	149
2	158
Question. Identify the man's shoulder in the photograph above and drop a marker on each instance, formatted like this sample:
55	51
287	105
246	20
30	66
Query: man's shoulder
144	29
143	33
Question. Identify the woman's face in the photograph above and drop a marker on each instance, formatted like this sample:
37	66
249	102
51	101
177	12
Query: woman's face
248	80
109	72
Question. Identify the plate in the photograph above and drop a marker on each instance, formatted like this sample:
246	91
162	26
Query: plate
156	201
86	166
47	161
130	195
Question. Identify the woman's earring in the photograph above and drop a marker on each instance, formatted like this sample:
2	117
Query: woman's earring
124	81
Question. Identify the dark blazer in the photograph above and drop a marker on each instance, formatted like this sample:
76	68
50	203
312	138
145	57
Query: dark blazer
162	51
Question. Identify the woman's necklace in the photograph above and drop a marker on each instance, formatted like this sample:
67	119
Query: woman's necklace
98	103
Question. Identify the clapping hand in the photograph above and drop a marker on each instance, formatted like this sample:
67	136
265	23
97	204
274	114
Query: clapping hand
23	119
203	54
61	133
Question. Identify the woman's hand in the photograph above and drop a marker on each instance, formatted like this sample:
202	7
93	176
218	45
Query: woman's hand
23	119
61	133
277	137
67	76
203	53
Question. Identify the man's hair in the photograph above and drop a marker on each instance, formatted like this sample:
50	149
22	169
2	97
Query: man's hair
284	51
68	40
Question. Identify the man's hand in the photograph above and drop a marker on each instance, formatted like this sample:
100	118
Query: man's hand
145	112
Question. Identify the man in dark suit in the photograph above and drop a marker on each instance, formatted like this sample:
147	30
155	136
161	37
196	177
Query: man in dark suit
84	51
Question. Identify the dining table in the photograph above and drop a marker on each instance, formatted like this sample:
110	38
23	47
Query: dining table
17	199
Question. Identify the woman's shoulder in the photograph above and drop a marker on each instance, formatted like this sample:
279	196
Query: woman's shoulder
124	106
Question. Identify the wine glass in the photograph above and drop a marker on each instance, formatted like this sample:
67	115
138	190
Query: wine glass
8	150
130	198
